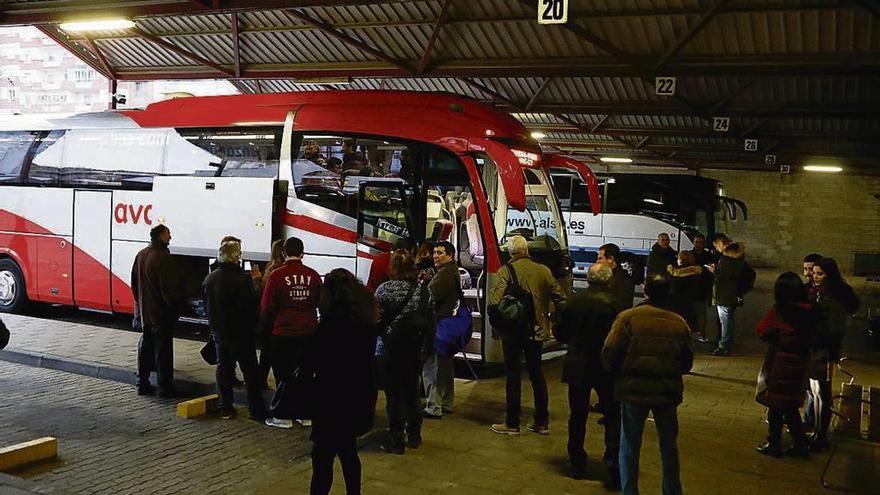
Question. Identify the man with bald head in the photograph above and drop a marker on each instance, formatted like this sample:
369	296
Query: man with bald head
584	324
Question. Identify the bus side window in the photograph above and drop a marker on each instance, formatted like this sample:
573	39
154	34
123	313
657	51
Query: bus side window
14	146
227	152
45	165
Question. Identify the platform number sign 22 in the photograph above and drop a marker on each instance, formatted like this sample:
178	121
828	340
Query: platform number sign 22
552	11
664	86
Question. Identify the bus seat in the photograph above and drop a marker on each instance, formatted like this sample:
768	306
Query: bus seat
441	231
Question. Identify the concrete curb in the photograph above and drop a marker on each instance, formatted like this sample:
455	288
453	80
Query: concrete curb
102	371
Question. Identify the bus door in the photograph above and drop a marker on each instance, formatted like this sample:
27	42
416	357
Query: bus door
383	219
92	217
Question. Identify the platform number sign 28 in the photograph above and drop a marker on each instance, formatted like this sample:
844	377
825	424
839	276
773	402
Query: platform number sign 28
552	11
664	86
751	145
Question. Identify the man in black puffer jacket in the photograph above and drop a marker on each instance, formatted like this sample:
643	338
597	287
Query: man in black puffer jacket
231	302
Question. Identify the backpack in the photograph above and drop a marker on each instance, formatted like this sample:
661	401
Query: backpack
746	280
514	315
406	331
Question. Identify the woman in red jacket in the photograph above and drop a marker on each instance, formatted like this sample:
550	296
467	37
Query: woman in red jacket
788	328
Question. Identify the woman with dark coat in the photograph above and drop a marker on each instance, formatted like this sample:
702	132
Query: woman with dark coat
788	328
835	300
345	399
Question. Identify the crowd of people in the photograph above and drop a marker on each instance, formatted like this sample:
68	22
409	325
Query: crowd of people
633	357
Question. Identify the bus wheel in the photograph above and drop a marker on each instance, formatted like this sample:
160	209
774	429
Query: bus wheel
12	291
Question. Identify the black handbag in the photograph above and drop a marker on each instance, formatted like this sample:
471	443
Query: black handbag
4	335
209	351
295	396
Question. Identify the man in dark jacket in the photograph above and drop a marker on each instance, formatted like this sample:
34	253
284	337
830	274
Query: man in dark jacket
231	302
621	284
726	290
662	255
648	350
154	285
438	373
584	325
290	307
703	259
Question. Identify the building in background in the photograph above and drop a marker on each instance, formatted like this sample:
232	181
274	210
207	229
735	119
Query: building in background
39	76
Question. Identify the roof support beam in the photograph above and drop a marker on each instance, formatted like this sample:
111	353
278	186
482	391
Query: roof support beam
599	124
100	56
534	98
331	31
642	142
183	53
75	50
692	31
236	52
718	106
438	25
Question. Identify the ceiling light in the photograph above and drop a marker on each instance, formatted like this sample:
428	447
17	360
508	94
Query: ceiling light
97	25
823	168
538	135
321	80
611	159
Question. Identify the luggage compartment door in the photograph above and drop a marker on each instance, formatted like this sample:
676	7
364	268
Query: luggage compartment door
92	217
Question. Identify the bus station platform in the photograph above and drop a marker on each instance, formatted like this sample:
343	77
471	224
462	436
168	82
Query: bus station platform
72	381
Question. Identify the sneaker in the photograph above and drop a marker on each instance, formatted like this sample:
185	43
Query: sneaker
279	423
702	339
305	422
227	413
539	429
720	352
427	415
392	447
503	429
769	449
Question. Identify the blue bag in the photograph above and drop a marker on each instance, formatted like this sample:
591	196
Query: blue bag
454	332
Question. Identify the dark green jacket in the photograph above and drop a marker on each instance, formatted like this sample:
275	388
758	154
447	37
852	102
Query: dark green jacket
647	351
585	322
445	288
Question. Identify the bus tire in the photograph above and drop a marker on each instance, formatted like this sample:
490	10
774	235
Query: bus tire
13	294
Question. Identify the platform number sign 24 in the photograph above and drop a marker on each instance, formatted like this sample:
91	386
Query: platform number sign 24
552	11
664	86
721	124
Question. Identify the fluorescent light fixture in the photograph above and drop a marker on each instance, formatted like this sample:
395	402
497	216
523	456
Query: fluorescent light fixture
611	159
538	135
823	168
652	201
97	25
322	80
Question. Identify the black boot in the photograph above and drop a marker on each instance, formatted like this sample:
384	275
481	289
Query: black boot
802	451
819	442
770	449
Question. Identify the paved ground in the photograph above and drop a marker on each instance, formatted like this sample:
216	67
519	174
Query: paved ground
112	441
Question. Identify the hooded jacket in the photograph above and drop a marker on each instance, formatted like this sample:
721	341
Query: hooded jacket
647	351
725	288
290	300
687	289
786	364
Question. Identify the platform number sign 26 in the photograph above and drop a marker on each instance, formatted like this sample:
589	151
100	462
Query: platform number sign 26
720	124
664	86
552	11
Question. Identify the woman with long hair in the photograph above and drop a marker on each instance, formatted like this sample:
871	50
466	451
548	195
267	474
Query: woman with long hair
788	329
276	258
687	291
407	314
345	385
836	301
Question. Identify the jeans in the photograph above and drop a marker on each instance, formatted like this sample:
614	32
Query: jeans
818	411
400	377
324	451
579	405
513	353
438	378
793	418
699	318
241	350
728	326
156	352
632	425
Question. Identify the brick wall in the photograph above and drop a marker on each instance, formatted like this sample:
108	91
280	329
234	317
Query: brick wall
793	215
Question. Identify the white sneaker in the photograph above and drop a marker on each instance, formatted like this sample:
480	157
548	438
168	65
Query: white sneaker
305	422
279	423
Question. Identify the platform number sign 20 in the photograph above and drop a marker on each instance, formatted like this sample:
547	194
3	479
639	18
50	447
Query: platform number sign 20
664	86
552	11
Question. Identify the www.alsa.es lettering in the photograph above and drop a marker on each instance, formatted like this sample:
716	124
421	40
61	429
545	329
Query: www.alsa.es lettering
298	286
